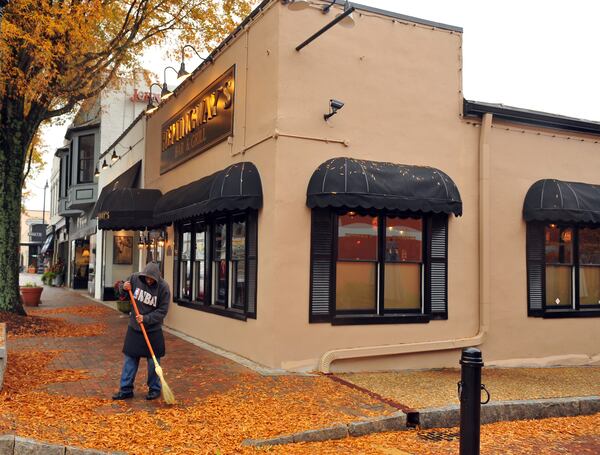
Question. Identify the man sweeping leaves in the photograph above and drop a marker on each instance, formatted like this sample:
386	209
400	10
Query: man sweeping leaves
151	295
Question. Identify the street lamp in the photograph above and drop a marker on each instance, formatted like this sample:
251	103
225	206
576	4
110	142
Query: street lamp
165	92
182	74
152	105
44	204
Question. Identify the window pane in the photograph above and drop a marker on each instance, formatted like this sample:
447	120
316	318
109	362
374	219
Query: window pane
402	286
86	158
589	285
186	246
355	286
357	237
559	245
200	242
239	283
403	240
200	280
558	285
238	261
589	246
200	265
186	279
220	263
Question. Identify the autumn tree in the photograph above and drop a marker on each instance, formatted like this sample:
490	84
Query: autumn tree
56	53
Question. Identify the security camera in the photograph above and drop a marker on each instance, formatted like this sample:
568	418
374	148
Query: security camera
334	106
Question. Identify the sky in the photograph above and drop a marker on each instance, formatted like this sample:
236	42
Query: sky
534	54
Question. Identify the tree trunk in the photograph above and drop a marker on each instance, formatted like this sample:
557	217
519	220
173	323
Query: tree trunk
15	136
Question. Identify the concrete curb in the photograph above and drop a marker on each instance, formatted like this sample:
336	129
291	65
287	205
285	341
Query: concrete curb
3	352
15	445
449	416
393	422
444	417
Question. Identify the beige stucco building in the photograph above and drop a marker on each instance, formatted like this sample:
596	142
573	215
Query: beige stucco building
385	276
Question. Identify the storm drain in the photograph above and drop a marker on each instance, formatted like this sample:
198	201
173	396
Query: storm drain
439	435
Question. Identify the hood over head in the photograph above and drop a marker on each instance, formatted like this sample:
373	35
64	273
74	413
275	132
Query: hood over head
152	271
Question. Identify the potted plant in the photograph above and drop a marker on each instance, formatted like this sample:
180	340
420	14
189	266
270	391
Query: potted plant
31	294
58	269
48	278
123	303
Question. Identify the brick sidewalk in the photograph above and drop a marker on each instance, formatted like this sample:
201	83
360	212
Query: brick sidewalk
192	372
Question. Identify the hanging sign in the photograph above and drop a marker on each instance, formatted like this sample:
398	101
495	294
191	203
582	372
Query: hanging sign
203	122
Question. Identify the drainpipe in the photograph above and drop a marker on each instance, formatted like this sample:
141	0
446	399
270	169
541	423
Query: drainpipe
484	278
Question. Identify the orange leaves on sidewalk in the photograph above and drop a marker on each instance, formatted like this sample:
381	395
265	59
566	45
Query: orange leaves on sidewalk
29	370
31	326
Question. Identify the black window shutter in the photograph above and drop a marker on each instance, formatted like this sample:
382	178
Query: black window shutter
436	268
535	269
321	265
251	258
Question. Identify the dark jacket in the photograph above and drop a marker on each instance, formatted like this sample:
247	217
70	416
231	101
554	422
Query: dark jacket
152	301
153	304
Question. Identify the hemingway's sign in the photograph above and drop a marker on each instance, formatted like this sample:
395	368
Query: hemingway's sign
202	123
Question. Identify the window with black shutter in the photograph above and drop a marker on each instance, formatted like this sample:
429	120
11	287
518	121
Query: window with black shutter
563	270
378	267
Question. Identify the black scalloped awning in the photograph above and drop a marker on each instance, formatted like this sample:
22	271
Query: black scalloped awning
127	179
128	208
237	187
555	201
353	183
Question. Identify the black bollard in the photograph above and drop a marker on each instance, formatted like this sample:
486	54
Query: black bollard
469	389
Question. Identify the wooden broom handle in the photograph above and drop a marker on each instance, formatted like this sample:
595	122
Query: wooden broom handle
137	313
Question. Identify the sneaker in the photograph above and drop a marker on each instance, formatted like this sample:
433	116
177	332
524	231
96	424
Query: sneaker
122	395
153	395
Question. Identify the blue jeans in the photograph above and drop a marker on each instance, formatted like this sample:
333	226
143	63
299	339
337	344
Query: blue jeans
130	367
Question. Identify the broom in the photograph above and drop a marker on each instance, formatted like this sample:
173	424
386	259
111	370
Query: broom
167	393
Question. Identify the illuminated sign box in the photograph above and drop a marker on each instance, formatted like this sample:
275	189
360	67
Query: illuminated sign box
202	123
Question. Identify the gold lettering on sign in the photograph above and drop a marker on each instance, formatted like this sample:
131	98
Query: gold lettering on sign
204	121
104	216
200	113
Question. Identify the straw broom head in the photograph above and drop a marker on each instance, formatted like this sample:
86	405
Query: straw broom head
167	393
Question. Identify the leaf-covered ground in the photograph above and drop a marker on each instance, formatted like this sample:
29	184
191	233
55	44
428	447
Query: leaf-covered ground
58	384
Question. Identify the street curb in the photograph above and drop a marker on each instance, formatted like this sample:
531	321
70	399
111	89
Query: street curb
449	416
15	445
443	417
393	422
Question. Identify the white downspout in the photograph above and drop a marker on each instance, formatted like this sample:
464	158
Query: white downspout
484	278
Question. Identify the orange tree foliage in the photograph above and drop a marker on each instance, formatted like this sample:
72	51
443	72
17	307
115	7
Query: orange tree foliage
56	53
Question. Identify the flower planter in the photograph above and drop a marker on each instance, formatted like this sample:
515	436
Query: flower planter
124	306
31	295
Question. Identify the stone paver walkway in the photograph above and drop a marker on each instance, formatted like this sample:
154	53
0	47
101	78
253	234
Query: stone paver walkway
435	388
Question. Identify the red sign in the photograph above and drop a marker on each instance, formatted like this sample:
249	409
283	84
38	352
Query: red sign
143	97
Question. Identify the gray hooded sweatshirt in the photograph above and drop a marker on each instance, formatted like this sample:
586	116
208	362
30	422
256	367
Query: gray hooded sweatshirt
152	301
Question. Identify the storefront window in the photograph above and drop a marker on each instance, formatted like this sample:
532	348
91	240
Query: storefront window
361	272
571	268
218	263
